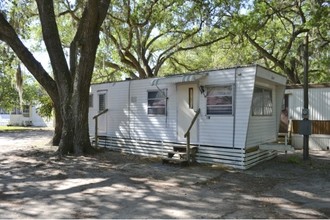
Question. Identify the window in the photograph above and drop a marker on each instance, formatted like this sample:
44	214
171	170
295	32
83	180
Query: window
90	101
101	102
262	104
16	111
219	100
157	102
191	98
26	110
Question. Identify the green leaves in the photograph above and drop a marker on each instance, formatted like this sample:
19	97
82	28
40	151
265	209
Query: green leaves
277	29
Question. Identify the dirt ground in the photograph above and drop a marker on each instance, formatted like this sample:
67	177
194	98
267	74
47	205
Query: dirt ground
34	184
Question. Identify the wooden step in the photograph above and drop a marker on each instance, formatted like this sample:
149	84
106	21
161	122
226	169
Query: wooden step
171	154
174	160
177	152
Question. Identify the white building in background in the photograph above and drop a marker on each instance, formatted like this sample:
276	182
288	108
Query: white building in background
29	117
319	114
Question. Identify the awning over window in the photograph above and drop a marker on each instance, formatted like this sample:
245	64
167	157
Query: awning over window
178	79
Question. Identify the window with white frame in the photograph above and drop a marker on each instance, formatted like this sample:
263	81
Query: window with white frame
101	102
157	102
262	104
219	100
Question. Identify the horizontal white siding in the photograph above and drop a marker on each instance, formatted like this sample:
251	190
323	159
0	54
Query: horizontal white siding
118	110
130	129
95	90
216	130
263	129
245	85
219	130
319	109
319	103
144	126
232	157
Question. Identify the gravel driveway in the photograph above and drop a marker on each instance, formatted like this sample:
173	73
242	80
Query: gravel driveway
34	184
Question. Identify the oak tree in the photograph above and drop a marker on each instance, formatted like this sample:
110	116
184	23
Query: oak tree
68	86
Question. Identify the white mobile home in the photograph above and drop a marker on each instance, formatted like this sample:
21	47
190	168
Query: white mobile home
319	114
29	117
239	110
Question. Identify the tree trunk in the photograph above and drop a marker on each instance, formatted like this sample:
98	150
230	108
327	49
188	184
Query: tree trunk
58	125
69	90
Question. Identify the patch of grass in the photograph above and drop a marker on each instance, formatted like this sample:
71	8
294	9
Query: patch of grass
15	128
294	159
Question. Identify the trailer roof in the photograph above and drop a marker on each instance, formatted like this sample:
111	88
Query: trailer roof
198	72
311	85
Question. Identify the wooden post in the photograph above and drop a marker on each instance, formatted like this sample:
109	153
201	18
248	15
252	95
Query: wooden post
187	134
188	147
306	136
96	126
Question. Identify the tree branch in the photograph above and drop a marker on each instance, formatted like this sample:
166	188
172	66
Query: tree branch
53	42
8	35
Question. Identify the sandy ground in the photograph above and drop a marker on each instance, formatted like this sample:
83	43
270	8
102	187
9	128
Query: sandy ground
34	184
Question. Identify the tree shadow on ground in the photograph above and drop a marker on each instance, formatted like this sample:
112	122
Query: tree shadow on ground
34	184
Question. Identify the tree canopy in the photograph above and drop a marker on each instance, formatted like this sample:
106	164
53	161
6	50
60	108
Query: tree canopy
277	29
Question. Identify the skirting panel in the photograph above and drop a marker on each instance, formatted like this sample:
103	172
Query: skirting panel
233	157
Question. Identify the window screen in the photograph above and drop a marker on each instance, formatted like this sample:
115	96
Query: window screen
219	100
262	104
157	102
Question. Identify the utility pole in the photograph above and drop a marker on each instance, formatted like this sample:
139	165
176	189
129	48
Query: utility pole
305	113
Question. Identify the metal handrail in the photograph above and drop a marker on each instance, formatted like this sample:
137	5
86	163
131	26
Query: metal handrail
187	134
96	124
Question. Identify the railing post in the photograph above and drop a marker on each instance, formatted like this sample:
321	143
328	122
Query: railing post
96	126
187	134
188	147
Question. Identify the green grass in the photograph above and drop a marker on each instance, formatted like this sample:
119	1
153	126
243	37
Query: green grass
294	159
16	128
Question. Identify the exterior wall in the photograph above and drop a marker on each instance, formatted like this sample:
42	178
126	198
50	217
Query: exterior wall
127	116
144	126
118	105
319	105
37	120
96	90
263	129
219	130
34	119
4	119
221	138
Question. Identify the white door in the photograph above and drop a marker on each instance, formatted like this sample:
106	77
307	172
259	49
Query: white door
187	105
102	119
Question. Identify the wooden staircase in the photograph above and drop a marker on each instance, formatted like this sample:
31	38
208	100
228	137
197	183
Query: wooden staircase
179	155
185	154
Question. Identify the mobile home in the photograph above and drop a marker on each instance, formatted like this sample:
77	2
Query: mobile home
28	117
236	110
319	114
